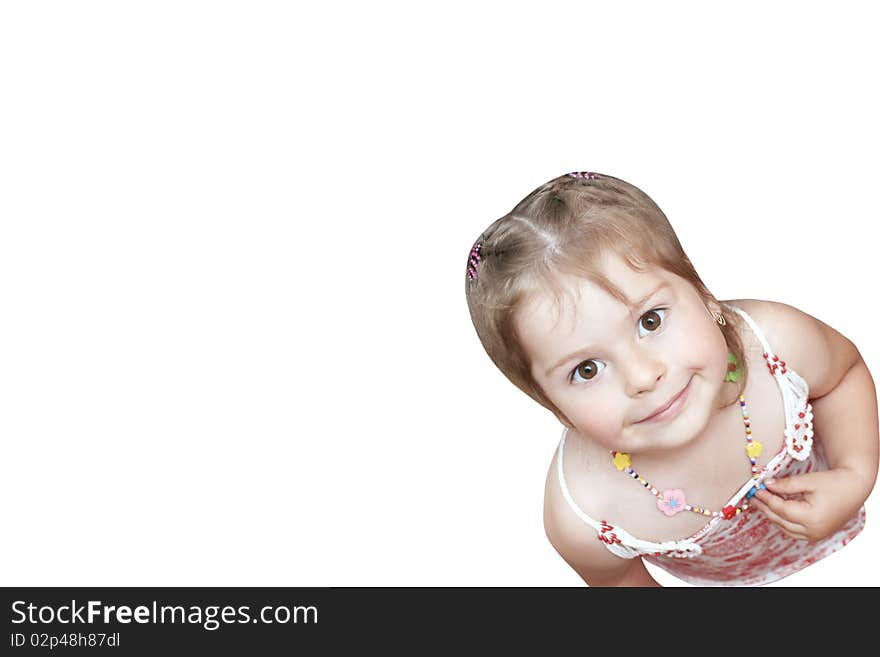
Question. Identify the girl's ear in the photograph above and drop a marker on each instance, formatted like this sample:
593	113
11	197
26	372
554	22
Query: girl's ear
714	310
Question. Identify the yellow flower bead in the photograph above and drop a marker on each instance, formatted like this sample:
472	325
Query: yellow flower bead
754	449
622	461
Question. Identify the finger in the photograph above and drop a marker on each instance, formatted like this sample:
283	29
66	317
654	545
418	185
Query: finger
783	525
789	528
791	485
794	511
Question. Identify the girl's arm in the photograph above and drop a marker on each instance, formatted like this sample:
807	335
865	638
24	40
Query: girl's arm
846	421
842	390
844	402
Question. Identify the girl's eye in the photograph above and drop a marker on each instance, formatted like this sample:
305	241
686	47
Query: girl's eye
651	320
586	370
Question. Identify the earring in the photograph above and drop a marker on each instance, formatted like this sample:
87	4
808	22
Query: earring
719	318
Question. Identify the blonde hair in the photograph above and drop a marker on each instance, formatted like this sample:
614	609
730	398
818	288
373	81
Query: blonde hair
564	226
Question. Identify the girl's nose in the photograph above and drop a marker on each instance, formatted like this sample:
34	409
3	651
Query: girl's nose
644	375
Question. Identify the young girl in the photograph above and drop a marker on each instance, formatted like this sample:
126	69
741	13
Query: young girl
727	442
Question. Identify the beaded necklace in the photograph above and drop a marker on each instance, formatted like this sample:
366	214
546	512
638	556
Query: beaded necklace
672	501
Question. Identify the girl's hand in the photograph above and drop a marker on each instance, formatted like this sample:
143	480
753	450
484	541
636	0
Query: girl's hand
826	501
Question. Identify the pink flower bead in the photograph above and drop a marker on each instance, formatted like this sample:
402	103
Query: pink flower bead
673	501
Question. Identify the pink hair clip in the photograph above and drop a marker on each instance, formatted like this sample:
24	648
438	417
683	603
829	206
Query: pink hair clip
473	261
583	174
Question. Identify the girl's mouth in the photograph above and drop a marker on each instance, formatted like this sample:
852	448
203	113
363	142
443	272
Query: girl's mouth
671	408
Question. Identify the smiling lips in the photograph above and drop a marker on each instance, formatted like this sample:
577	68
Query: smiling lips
672	407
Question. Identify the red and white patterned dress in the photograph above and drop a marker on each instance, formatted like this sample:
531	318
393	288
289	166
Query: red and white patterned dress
747	550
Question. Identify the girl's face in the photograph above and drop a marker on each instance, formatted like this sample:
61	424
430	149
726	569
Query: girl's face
608	366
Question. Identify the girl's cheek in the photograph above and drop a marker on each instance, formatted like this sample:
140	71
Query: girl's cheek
600	418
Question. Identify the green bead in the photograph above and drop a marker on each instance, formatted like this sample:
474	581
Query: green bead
733	376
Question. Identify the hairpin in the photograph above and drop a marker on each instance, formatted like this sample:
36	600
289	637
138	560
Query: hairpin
583	174
473	261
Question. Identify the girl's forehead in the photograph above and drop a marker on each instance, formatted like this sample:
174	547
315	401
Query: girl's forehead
571	301
580	290
565	301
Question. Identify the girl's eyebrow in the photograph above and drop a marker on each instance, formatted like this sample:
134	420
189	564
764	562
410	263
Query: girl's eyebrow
633	305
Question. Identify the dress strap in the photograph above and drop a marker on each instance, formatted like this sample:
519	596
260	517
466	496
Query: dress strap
568	498
795	395
792	384
755	329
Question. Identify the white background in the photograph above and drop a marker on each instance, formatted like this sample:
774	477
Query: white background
234	344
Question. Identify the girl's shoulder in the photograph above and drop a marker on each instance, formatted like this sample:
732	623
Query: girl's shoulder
762	313
817	352
758	309
573	538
